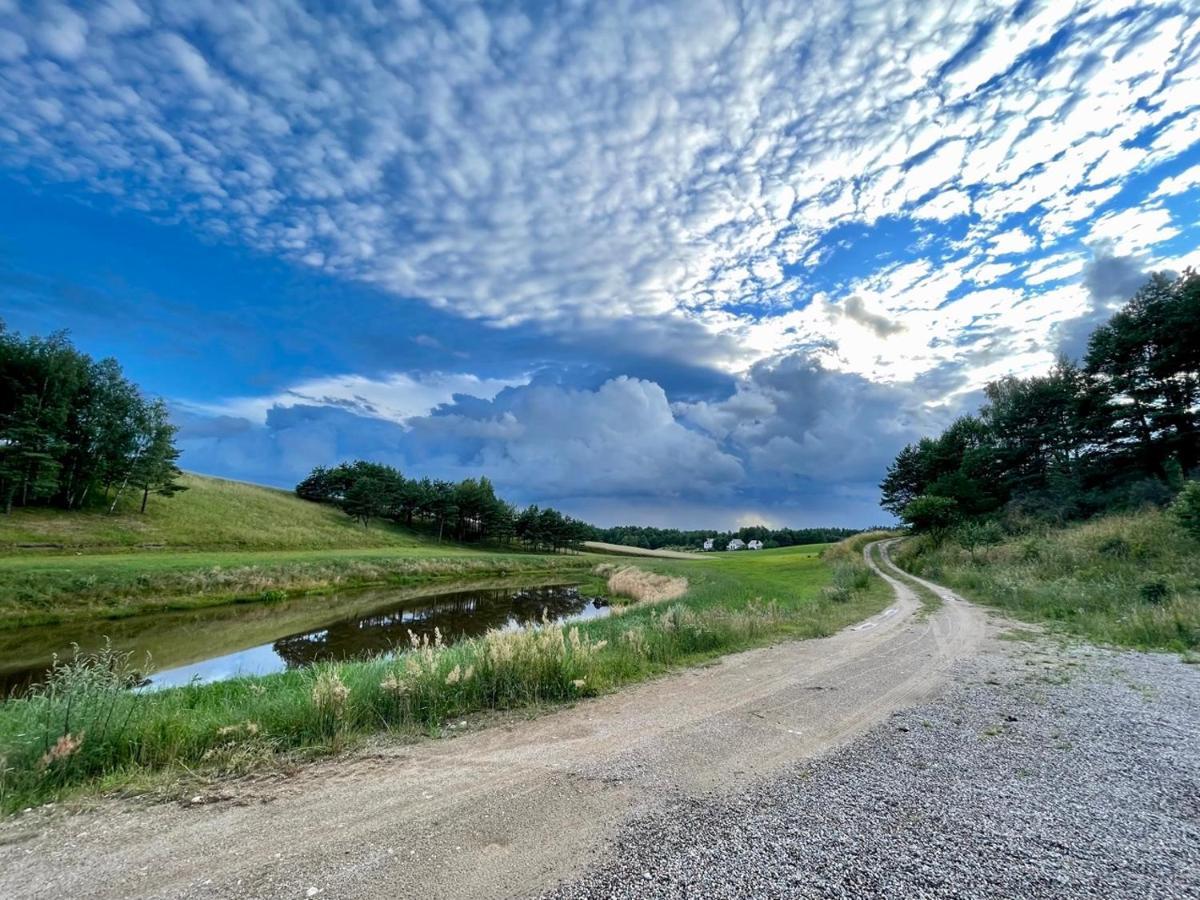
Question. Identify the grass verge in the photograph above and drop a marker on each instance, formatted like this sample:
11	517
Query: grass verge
85	729
1125	580
55	589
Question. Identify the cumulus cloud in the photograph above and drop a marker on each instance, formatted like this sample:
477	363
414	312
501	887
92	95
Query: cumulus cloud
861	212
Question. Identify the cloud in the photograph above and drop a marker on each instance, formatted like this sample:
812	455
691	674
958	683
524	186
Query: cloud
1110	280
855	309
563	169
397	398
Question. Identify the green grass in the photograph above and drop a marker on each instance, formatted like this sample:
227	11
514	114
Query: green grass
218	542
1126	580
212	514
54	589
86	731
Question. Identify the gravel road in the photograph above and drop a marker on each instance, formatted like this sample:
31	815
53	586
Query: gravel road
1044	771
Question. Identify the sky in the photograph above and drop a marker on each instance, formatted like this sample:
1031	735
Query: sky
693	263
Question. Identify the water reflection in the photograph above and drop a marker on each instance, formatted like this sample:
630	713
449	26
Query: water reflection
224	642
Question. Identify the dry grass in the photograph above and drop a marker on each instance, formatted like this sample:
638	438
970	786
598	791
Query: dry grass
641	586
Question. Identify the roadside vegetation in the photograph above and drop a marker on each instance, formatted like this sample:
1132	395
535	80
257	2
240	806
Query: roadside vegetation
1130	579
86	729
1072	497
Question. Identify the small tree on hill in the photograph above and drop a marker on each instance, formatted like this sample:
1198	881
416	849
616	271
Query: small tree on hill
931	514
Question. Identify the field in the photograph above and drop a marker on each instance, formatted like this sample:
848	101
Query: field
87	731
219	541
213	514
1128	580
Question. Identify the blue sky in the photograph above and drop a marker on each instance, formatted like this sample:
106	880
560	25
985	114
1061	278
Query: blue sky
693	263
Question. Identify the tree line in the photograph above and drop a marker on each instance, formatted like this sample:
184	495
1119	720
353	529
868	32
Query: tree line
1119	429
658	538
468	510
74	432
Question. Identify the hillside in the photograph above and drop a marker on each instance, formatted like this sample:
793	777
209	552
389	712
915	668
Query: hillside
1129	579
212	514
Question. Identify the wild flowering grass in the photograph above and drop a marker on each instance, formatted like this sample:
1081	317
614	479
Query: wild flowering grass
641	586
1131	580
86	727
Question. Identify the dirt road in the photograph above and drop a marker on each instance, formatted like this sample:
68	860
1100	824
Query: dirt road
508	810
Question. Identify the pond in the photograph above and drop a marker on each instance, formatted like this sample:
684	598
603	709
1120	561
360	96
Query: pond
256	639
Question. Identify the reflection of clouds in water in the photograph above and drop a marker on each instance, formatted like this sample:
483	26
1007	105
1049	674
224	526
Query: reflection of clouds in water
261	660
384	633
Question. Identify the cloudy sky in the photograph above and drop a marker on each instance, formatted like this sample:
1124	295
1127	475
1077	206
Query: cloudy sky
695	263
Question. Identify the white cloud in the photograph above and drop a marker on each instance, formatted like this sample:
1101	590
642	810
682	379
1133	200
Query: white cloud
1178	184
519	168
1015	240
396	398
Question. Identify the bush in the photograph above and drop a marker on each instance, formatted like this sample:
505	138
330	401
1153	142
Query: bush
1186	508
1156	591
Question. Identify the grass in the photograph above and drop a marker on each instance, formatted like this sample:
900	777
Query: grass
212	514
86	730
55	589
218	542
1129	580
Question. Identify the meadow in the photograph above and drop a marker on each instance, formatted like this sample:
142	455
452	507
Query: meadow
85	730
1129	580
219	542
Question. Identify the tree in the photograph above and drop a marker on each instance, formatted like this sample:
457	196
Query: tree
931	514
156	470
1186	508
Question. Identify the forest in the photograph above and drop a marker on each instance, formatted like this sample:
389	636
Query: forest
1118	430
74	432
468	510
658	538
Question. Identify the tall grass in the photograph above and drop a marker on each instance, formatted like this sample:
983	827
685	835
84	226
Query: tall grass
1131	580
85	727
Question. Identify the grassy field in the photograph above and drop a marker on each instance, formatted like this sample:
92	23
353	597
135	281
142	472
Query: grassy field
213	514
86	731
1127	580
218	542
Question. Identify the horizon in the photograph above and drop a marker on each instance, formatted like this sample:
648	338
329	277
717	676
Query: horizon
713	265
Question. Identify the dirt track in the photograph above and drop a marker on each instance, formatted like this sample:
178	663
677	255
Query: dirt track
503	811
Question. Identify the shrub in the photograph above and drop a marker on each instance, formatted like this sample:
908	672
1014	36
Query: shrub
1156	591
1186	508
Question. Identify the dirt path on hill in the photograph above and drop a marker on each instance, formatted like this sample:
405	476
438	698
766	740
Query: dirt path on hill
507	810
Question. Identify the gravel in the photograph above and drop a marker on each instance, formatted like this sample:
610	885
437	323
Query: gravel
1044	771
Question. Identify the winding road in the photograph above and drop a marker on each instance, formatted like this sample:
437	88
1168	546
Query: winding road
507	810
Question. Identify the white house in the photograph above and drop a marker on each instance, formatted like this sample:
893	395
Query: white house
755	545
736	544
708	543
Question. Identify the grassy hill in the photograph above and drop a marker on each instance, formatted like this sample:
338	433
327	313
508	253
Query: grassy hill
1131	580
220	542
212	514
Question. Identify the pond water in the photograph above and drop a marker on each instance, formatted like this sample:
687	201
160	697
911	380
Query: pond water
256	639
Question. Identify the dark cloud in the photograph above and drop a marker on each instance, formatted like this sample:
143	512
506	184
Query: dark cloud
856	310
1110	281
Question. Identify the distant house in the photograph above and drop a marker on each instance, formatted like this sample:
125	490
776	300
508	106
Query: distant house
736	544
708	543
755	545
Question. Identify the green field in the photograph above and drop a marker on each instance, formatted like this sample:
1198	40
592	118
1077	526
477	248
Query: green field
87	731
218	542
213	514
1131	580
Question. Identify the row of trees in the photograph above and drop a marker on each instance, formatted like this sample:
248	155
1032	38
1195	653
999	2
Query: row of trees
74	432
658	538
468	510
1118	430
